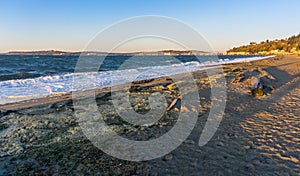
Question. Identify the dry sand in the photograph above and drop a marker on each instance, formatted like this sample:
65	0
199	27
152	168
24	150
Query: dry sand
257	135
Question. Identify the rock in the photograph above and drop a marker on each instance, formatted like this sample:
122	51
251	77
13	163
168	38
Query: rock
220	173
57	139
256	162
3	112
237	69
52	125
239	77
46	122
255	82
220	144
250	166
190	142
3	126
168	157
256	87
257	92
172	86
269	161
247	147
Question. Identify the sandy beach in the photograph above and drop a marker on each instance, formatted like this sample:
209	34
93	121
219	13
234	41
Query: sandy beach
257	135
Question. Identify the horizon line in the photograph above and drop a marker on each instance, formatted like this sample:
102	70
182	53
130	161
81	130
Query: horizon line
125	52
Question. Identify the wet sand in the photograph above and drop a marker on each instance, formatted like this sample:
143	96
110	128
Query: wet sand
257	135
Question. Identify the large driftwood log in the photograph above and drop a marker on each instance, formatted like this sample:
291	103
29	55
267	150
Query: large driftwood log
265	73
259	81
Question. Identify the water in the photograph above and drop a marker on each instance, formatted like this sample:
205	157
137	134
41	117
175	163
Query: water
30	77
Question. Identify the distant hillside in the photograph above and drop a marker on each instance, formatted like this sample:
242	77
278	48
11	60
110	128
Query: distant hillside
290	45
150	53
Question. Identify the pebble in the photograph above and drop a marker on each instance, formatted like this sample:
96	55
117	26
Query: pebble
168	157
3	126
46	122
191	142
247	147
256	162
220	144
250	166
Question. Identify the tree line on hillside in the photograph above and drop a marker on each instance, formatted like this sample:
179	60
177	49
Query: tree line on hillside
289	45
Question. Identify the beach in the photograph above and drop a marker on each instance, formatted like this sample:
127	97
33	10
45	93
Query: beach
257	135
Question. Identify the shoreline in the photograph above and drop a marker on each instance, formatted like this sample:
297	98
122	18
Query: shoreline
67	96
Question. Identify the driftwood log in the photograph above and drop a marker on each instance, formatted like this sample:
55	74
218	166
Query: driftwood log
257	79
173	103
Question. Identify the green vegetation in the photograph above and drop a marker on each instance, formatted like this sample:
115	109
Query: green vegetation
290	45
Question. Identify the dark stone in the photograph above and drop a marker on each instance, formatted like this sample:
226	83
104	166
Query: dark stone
236	69
3	126
4	112
168	157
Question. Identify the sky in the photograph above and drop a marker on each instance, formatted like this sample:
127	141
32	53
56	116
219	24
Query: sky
69	25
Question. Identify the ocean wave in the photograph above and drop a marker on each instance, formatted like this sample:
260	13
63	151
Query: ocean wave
24	89
18	75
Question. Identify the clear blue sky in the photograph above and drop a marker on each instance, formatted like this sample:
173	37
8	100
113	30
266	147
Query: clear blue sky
70	24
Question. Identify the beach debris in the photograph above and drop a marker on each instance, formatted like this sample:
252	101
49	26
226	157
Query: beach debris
255	82
265	74
257	87
173	103
172	86
257	79
236	69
